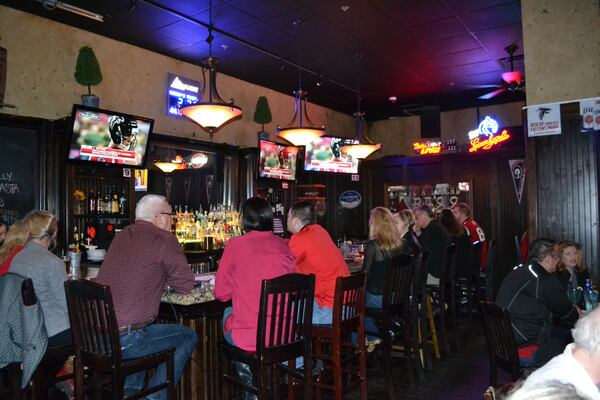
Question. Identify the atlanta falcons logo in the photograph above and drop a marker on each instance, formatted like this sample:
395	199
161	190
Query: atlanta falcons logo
543	111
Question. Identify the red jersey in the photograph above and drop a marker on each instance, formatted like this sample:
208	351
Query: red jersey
476	234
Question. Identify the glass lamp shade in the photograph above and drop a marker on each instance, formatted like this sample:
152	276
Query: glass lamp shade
360	151
211	116
166	167
300	136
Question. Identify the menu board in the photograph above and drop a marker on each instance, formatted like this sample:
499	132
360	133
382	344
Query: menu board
18	172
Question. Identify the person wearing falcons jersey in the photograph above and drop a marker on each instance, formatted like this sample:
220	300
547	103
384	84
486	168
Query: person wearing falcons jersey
462	212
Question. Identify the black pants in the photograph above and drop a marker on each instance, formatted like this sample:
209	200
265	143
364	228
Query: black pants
60	338
553	345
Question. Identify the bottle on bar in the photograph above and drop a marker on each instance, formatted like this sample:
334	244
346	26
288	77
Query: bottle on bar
114	205
99	202
122	203
91	202
106	206
75	238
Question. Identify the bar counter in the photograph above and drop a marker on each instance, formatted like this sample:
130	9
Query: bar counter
200	312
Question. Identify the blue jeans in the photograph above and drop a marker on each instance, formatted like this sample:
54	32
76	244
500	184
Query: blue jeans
372	301
152	339
322	315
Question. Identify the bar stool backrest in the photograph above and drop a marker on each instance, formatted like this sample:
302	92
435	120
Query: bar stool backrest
475	261
285	316
93	322
398	282
448	267
489	271
349	301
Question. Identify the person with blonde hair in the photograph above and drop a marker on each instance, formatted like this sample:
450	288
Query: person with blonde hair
15	240
384	244
47	272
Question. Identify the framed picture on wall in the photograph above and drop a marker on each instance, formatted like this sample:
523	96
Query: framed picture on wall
436	195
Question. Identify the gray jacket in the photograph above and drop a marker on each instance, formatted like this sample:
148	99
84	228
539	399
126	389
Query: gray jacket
22	330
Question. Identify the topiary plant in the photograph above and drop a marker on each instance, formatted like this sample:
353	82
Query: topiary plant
87	70
262	114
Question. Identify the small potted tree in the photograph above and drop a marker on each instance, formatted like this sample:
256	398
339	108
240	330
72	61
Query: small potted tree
87	73
262	115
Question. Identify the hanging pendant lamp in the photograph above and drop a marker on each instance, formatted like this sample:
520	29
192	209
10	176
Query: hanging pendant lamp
296	132
363	147
211	115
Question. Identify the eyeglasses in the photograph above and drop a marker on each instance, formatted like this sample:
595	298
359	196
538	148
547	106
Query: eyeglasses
167	213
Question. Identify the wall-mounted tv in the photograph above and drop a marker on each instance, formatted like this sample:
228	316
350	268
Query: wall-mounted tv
277	161
323	154
108	137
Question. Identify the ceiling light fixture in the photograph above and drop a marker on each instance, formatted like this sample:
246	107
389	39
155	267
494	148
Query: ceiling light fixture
296	132
166	167
54	4
363	147
214	113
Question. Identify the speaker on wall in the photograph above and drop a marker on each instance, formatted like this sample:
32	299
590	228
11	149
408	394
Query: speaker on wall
430	122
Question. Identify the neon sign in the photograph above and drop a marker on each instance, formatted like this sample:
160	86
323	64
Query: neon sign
485	136
488	143
427	147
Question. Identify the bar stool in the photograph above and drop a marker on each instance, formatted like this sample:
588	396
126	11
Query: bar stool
348	319
446	294
283	334
98	347
399	277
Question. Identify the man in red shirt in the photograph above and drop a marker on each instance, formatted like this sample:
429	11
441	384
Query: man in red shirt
317	254
141	262
462	212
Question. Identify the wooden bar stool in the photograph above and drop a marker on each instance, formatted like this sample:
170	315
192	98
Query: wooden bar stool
348	322
399	277
98	347
283	335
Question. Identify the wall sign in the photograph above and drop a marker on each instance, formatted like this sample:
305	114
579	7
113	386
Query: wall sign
317	194
543	119
486	136
350	199
437	196
180	92
589	110
517	169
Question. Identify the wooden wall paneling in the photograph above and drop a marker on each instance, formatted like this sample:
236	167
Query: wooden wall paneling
567	186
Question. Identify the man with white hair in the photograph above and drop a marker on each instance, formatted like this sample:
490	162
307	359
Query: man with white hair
579	365
141	262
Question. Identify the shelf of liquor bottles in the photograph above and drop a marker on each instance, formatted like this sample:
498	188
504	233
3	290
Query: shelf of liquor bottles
99	204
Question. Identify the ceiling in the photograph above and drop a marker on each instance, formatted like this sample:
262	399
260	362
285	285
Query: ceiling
424	52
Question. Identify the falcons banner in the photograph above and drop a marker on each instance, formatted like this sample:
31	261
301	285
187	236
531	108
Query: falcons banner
543	120
517	170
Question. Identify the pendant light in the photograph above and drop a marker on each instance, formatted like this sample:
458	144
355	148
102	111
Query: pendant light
166	167
296	132
214	113
363	147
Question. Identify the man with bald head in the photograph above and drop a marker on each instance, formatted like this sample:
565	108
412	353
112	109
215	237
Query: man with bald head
141	262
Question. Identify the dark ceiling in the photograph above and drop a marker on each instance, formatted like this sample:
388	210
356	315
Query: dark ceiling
424	52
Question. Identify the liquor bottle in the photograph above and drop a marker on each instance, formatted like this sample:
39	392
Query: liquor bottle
122	203
114	205
587	296
76	239
91	202
99	201
106	203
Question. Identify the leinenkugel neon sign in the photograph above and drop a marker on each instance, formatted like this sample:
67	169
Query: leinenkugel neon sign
485	137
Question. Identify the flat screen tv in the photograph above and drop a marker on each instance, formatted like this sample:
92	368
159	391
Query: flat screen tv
277	161
323	154
108	137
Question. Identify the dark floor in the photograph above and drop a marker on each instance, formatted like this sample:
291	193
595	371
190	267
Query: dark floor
462	375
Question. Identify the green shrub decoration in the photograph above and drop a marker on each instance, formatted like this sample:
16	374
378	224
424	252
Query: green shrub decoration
262	114
87	70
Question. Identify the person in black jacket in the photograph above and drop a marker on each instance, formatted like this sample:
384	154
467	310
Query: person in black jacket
533	295
433	237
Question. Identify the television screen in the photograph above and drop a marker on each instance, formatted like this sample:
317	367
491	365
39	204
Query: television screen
277	161
108	137
323	154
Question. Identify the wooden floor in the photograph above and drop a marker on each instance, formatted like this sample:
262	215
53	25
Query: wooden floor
462	375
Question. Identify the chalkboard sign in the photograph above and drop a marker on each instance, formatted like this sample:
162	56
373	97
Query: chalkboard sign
19	176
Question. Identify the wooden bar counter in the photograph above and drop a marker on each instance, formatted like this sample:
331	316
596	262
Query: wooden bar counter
200	312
